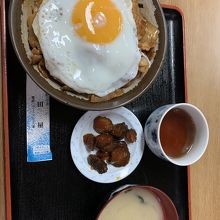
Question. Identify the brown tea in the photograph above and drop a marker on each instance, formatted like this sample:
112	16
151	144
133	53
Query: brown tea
177	133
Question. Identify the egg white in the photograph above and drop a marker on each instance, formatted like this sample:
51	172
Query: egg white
86	67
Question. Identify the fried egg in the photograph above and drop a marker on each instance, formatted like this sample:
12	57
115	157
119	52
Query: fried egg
89	45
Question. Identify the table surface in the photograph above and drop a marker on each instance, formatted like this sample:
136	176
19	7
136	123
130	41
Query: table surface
203	79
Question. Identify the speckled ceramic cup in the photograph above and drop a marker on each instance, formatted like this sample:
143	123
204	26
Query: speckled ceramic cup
201	137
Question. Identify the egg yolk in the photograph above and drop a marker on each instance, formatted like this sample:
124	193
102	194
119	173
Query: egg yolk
97	21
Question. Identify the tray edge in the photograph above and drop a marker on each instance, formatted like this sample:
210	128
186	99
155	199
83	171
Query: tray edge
5	125
178	9
6	178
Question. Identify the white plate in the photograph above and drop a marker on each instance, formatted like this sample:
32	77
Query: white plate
79	152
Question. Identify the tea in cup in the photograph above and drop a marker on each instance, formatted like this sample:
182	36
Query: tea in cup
178	133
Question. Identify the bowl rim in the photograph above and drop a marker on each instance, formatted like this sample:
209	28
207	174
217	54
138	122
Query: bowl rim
77	102
145	187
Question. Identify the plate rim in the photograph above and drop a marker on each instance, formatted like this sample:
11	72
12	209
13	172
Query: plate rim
119	110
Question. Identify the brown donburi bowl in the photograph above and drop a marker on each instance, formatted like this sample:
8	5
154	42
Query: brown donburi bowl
15	32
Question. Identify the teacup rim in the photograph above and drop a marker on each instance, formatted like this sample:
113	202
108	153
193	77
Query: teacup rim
176	160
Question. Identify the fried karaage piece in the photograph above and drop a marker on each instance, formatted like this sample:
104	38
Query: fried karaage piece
131	136
109	147
102	125
90	141
119	130
120	156
103	140
103	155
97	164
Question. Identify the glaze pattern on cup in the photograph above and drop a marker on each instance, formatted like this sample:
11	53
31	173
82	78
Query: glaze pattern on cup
150	131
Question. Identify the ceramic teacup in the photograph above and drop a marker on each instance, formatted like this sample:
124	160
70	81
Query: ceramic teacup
152	132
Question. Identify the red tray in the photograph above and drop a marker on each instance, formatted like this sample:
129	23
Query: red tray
19	192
